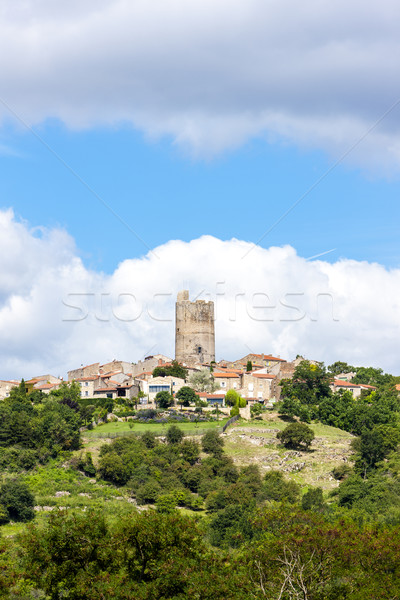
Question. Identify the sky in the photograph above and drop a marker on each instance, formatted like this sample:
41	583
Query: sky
249	152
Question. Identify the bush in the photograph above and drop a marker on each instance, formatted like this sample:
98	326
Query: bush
16	501
149	439
313	499
296	435
341	472
186	395
164	399
232	398
174	435
212	442
234	411
166	503
149	492
277	488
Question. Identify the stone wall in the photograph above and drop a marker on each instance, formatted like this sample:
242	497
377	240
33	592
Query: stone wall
194	332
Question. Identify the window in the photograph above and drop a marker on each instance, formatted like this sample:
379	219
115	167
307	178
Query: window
235	385
223	383
86	393
154	389
86	383
251	387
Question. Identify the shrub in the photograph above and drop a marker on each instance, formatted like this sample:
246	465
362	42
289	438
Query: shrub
341	472
234	411
149	492
174	435
16	501
166	503
149	439
277	488
164	399
232	398
212	442
112	468
296	435
313	499
186	395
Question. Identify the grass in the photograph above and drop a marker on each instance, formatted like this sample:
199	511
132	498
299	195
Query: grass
255	442
122	428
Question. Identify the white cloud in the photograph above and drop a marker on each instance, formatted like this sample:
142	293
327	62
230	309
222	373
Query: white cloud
211	74
55	314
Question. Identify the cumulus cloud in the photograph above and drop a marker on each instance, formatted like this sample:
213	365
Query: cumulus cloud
211	74
55	314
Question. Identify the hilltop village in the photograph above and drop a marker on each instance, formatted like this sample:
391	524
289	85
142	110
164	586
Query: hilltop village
255	377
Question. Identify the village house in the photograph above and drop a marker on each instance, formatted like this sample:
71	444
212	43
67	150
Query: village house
5	388
153	385
354	388
44	383
149	364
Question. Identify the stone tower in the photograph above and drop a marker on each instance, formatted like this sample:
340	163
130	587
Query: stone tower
194	330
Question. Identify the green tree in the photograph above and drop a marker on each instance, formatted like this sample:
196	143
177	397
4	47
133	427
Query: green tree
173	370
249	366
296	435
374	445
232	398
164	399
17	501
309	385
203	381
71	391
339	367
174	435
372	376
277	488
313	499
212	442
186	396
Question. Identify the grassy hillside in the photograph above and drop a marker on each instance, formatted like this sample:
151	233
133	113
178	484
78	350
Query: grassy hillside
255	442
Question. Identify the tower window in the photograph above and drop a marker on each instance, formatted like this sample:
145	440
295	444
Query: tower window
199	349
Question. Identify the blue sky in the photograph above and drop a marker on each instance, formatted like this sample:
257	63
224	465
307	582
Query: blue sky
250	147
162	193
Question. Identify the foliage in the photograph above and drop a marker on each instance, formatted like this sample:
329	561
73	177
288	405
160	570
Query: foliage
249	366
339	367
173	370
309	385
296	435
153	555
372	376
16	501
203	381
186	396
212	442
313	499
277	488
174	435
234	411
232	398
164	399
374	445
256	409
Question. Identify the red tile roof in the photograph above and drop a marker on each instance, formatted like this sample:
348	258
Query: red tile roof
226	375
263	375
341	383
